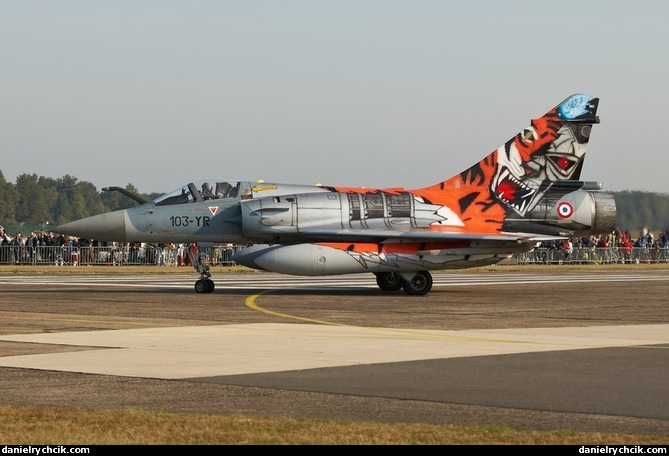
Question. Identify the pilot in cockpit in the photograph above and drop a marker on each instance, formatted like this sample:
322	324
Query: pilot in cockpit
208	191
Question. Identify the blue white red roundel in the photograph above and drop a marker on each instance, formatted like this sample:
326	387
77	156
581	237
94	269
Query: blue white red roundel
565	210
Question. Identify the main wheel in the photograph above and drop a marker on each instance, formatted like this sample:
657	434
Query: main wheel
389	281
419	285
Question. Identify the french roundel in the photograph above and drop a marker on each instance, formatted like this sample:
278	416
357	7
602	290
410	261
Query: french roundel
565	210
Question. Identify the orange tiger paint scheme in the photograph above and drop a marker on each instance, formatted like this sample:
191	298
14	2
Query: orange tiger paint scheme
394	248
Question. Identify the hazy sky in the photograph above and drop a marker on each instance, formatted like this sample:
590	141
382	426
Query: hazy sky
356	93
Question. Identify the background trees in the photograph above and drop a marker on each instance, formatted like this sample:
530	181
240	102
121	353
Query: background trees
39	203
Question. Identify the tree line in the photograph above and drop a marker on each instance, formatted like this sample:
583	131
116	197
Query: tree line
36	203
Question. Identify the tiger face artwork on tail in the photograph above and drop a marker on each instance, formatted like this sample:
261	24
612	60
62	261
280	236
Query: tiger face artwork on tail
549	150
515	178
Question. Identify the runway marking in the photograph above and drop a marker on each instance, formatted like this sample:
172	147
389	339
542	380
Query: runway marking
251	303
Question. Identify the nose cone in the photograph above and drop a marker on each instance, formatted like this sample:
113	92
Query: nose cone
104	227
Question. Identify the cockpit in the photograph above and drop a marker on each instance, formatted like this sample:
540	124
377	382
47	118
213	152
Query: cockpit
198	191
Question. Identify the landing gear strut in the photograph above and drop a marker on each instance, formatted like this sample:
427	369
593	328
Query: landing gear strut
204	284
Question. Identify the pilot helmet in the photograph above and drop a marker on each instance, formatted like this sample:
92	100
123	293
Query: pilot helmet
207	188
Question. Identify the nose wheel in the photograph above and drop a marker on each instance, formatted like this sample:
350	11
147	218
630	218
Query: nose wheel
204	286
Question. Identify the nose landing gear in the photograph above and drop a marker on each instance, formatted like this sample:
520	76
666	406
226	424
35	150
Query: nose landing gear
204	284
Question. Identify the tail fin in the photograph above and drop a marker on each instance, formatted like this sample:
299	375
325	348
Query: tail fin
517	175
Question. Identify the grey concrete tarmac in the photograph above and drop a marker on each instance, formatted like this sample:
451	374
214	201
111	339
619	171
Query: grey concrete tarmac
583	350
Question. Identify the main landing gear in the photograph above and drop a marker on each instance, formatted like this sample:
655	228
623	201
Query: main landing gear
204	284
418	285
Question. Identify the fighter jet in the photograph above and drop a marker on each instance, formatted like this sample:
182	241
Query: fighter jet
525	192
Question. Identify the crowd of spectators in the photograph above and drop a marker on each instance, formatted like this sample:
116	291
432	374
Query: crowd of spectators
48	247
618	247
41	247
17	248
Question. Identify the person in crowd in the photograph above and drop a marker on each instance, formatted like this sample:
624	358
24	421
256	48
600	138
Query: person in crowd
625	248
159	256
5	241
18	244
32	244
86	249
568	248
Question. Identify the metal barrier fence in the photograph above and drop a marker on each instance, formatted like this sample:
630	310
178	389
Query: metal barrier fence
220	255
177	255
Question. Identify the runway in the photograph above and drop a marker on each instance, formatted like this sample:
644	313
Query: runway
534	350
